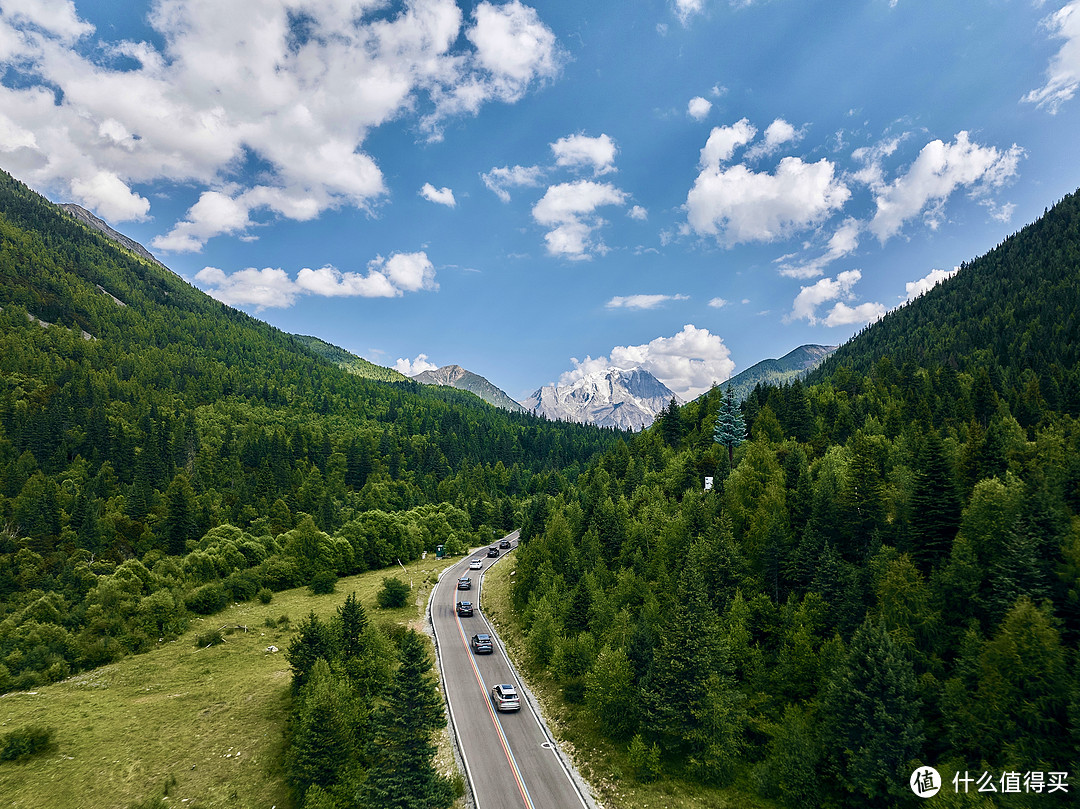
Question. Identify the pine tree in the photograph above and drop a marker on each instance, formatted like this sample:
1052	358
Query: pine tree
730	430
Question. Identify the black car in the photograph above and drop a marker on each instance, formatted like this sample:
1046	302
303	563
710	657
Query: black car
482	645
464	583
504	544
493	551
464	608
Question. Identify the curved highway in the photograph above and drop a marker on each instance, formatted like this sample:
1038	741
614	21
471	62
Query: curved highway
510	758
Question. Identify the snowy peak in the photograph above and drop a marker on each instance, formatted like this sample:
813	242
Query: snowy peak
615	397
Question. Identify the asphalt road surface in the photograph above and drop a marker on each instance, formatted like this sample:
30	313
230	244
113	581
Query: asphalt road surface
510	758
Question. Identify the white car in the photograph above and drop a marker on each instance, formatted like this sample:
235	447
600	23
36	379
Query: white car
505	697
476	564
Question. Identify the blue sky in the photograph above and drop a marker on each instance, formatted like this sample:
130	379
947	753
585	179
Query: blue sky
533	191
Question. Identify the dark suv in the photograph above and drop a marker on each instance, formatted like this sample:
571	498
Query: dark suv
464	608
464	584
504	544
482	645
493	551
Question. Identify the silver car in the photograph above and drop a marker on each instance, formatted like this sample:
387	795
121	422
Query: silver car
505	697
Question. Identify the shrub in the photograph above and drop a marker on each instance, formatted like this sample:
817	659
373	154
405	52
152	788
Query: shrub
394	593
207	599
264	595
211	638
323	583
21	743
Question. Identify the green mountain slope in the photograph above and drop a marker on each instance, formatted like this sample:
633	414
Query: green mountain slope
887	575
796	364
350	362
156	444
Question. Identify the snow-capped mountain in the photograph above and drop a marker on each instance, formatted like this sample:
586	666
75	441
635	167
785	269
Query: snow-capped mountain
615	397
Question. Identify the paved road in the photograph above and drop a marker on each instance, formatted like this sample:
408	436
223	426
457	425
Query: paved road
510	759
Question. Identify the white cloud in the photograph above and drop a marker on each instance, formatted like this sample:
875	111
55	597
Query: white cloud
110	196
570	210
442	196
414	367
928	282
266	288
684	9
273	287
777	134
689	362
499	180
642	301
738	205
843	242
639	213
57	17
827	289
718	303
241	81
581	151
938	171
1063	73
843	315
698	108
723	141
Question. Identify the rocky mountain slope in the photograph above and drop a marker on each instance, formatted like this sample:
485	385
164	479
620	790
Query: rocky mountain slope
628	399
454	376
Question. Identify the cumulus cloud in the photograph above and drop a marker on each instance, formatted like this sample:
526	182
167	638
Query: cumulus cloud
441	196
843	242
698	108
245	80
581	151
638	213
718	303
273	287
828	289
689	362
939	170
501	180
1063	73
642	301
723	141
569	209
738	205
413	367
928	282
778	133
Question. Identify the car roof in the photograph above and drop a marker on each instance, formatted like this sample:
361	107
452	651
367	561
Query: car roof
506	687
482	636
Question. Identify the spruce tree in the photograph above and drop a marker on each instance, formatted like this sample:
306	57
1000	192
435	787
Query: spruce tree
730	430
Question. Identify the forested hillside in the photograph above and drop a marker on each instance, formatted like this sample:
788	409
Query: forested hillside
161	454
887	576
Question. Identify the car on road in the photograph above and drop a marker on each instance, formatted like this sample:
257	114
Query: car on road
504	544
464	583
482	645
476	564
505	697
464	608
493	551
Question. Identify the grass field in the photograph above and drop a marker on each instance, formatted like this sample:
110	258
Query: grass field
207	720
601	762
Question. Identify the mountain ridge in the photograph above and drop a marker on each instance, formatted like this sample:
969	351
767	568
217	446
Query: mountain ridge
454	376
627	398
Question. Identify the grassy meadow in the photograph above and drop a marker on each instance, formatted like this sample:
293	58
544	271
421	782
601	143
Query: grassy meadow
205	724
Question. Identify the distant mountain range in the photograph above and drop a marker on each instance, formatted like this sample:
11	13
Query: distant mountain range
628	399
455	376
793	365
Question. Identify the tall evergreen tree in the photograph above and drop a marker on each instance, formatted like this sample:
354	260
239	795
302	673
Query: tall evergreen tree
730	430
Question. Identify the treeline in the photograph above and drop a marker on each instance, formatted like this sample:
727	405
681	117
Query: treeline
833	612
364	715
148	418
